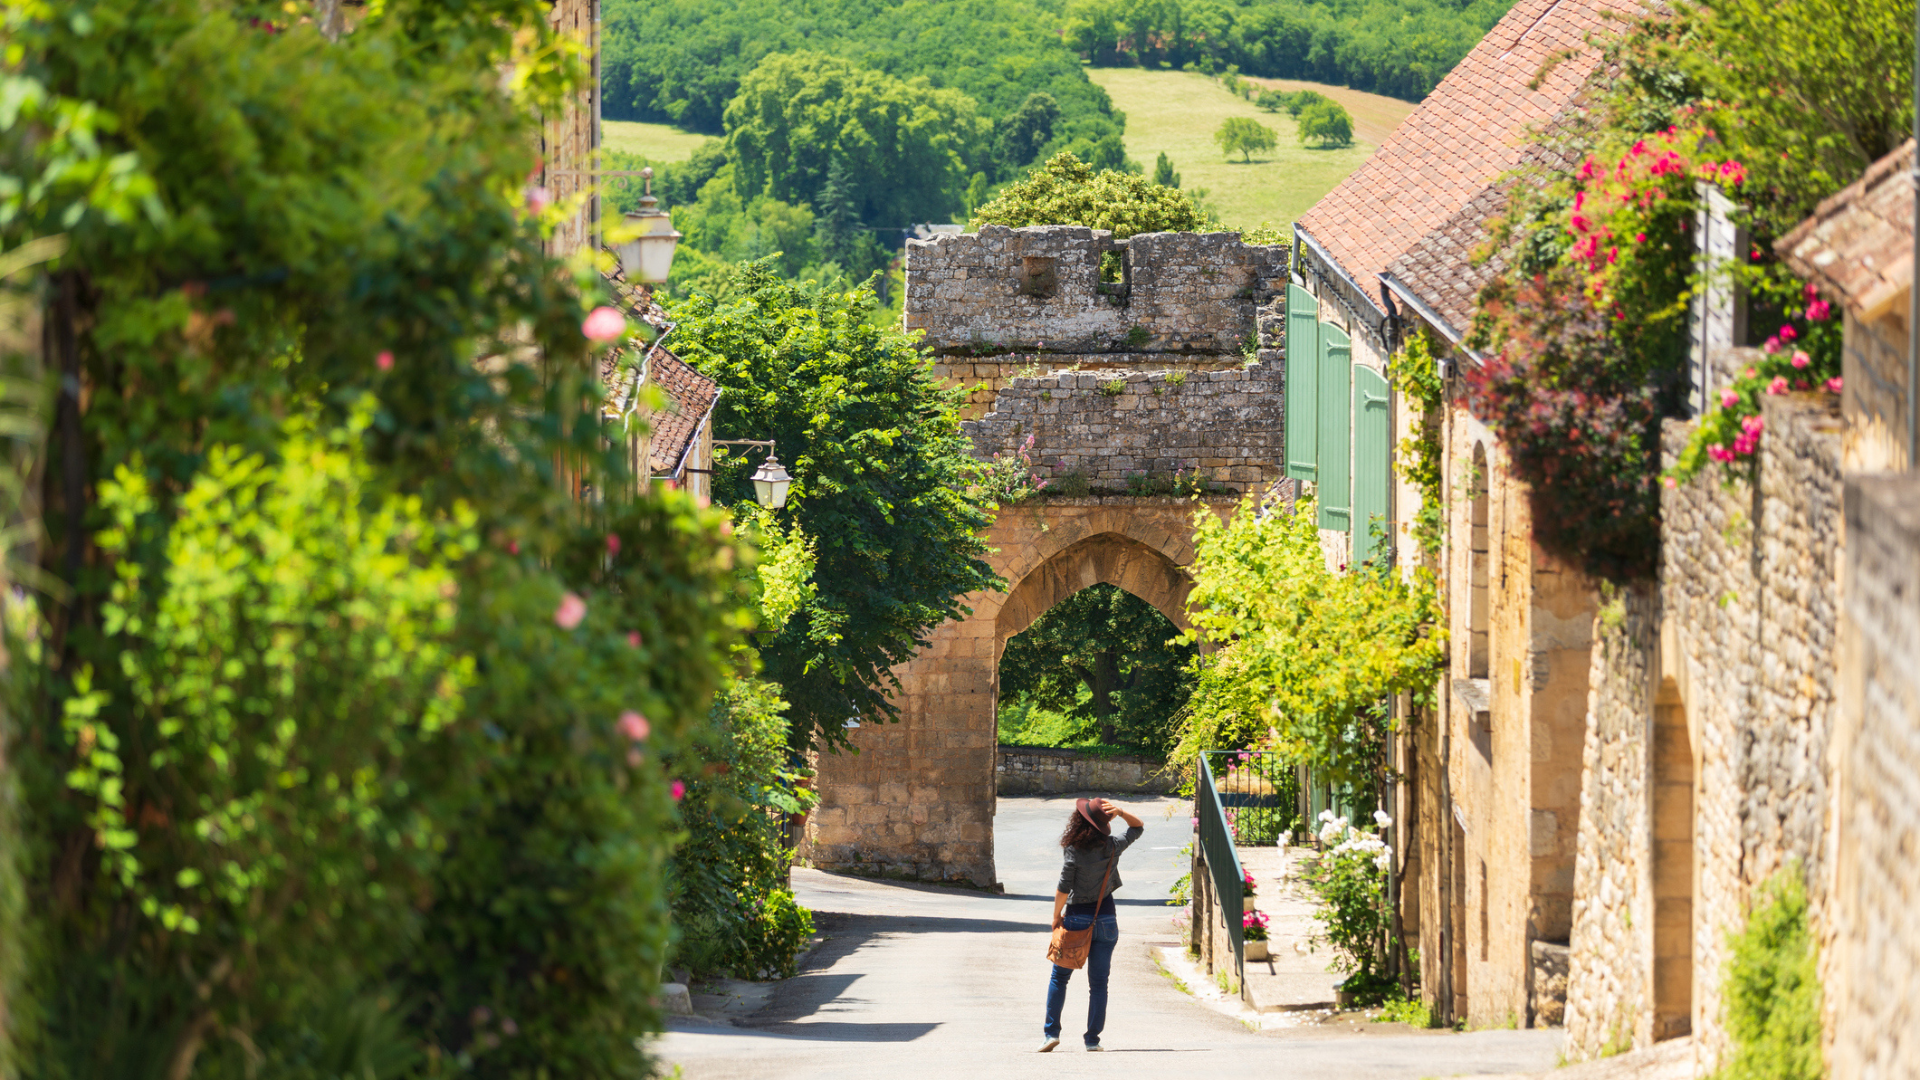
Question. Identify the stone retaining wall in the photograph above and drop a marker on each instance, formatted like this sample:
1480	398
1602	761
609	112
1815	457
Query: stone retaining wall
1732	663
1872	960
1040	770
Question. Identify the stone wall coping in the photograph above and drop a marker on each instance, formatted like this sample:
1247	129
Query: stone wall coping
1070	752
1211	499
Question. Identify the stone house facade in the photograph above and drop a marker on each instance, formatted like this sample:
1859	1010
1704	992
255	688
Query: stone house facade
1488	803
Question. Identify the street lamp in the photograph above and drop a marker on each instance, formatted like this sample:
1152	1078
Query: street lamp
649	255
770	480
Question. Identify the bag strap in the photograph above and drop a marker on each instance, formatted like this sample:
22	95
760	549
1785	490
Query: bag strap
1102	898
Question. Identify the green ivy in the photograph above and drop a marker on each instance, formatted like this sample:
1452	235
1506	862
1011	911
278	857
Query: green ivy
1417	378
1773	988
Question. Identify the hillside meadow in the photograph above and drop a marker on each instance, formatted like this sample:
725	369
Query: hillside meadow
1177	112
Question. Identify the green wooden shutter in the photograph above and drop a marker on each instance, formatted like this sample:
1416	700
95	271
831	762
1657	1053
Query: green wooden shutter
1302	402
1372	447
1336	374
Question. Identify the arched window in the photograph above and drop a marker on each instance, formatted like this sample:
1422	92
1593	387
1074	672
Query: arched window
1479	571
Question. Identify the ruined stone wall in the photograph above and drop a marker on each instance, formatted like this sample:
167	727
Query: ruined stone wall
984	377
1746	646
1039	288
1109	427
1045	770
1871	966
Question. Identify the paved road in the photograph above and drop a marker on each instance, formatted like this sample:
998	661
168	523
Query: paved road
934	983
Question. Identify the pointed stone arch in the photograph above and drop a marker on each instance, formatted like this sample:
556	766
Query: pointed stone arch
918	800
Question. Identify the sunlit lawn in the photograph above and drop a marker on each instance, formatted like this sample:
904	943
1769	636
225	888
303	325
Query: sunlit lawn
655	142
1177	112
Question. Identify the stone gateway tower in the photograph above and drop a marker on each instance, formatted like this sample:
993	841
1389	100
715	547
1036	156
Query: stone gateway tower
1146	374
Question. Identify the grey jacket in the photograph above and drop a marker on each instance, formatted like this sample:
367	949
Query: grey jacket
1082	868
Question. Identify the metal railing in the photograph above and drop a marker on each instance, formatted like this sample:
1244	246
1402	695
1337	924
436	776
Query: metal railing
1223	864
1259	795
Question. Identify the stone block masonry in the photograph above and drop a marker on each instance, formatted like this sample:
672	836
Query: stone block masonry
1109	427
1719	682
1046	770
1019	290
1871	966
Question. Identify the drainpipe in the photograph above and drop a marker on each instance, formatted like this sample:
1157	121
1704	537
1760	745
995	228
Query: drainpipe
1913	289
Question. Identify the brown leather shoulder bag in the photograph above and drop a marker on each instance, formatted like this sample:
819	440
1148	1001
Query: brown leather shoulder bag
1069	948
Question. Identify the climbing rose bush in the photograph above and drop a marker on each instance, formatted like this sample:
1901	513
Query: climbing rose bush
1587	336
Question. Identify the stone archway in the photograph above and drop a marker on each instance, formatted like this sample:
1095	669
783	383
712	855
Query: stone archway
917	801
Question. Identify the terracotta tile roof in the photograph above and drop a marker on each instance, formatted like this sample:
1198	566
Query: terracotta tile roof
1858	245
690	396
1439	267
1474	127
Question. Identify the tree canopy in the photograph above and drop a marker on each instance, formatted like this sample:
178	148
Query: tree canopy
1238	134
906	145
879	468
1325	123
1116	648
1069	192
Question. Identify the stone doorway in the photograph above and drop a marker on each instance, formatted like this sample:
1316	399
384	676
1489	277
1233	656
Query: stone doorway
1673	866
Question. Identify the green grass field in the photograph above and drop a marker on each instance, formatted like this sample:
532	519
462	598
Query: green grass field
663	143
1177	112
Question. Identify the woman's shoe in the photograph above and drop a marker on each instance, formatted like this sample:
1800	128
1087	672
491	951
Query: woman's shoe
1048	1044
1094	1048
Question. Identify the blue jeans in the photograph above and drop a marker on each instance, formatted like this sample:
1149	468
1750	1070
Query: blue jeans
1106	934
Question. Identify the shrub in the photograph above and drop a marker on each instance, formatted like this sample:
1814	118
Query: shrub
1349	881
1773	988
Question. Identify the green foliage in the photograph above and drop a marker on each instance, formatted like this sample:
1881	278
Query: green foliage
1397	47
732	910
1019	138
324	773
1163	174
1325	123
1306	654
1070	192
1008	479
682	61
1773	988
1348	880
1412	1012
1804	101
1116	648
1294	101
1237	134
906	145
879	469
1417	378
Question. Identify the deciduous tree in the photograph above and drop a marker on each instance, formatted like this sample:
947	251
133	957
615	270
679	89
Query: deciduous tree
1069	192
1238	134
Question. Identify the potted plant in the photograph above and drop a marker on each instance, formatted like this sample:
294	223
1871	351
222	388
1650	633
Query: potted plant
1247	884
1253	928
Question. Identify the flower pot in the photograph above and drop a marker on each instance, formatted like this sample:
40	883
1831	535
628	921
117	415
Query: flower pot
1256	950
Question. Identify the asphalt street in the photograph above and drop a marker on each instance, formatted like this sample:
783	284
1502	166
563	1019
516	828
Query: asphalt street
932	982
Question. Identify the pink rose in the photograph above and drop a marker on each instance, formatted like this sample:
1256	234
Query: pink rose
1778	385
1753	425
1833	384
384	361
633	638
1801	359
1772	345
571	610
634	726
604	324
1818	310
1669	482
538	199
1728	398
1788	333
679	790
613	544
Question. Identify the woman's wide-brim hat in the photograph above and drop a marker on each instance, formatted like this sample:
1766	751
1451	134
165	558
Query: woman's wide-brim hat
1090	809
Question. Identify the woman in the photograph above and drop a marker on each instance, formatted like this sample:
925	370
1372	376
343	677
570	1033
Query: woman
1090	854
